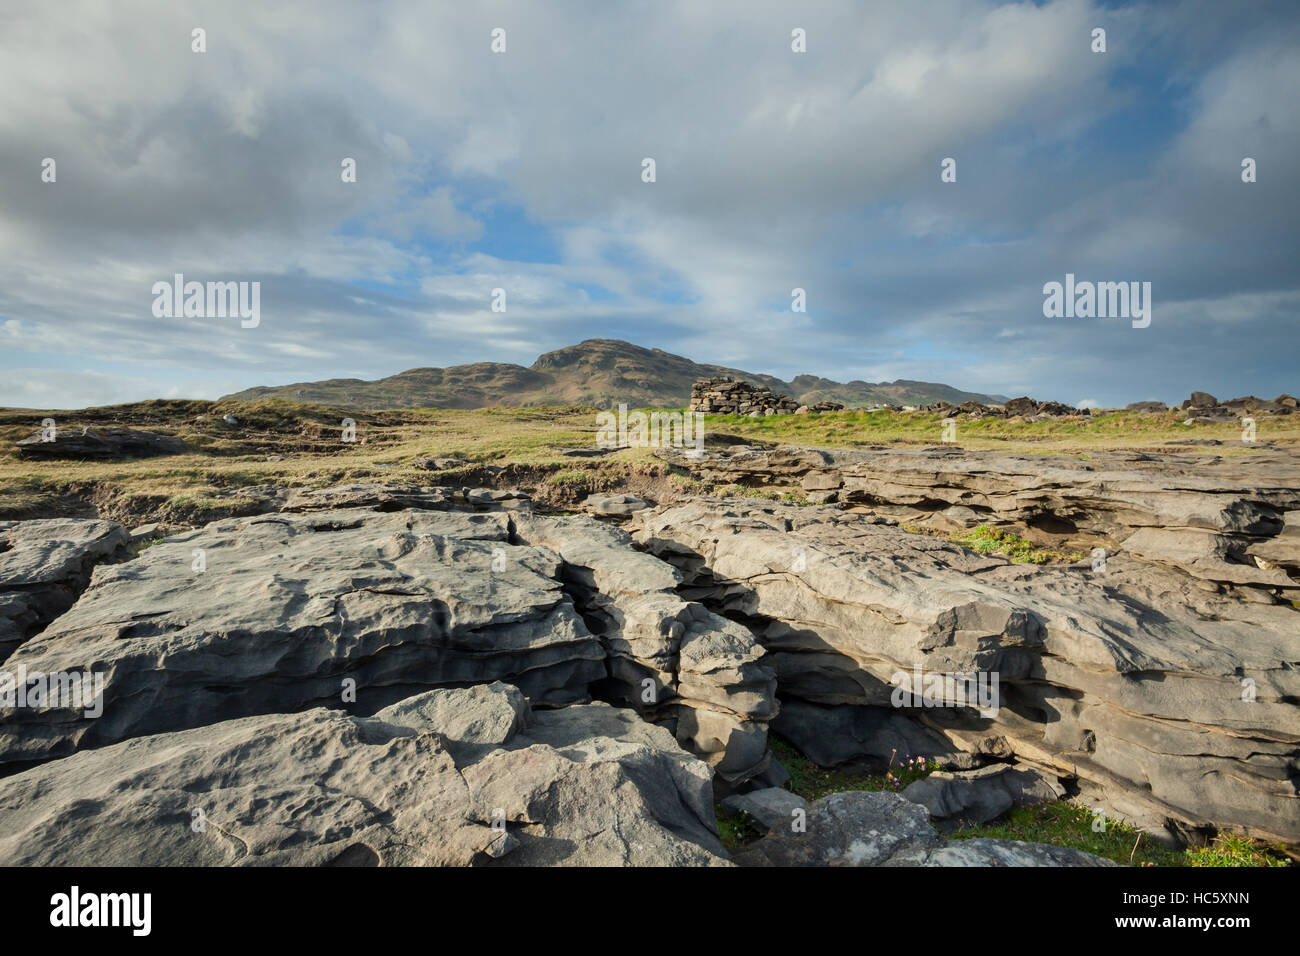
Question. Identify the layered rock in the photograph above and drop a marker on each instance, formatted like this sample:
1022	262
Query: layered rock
1176	702
673	660
44	565
1203	514
98	442
449	777
276	613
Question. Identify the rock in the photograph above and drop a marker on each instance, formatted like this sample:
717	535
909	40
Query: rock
441	464
614	505
1201	400
1021	406
144	532
471	721
978	796
587	452
860	828
95	442
727	396
586	785
594	785
1147	407
671	659
801	410
983	851
855	828
44	565
230	419
1204	554
289	606
1130	679
772	808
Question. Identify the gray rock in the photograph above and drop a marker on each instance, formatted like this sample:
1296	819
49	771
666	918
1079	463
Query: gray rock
289	606
615	505
587	785
858	828
978	796
44	565
983	851
772	808
1136	678
97	442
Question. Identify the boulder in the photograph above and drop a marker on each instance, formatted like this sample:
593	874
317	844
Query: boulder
450	777
860	828
44	565
97	442
978	796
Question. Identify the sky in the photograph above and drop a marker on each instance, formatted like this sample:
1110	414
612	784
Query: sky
522	170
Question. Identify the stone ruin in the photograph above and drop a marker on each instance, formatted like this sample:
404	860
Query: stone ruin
729	396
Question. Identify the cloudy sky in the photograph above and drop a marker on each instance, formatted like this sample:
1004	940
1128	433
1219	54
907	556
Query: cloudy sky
522	170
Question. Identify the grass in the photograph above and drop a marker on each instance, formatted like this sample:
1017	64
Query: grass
1070	825
299	444
989	540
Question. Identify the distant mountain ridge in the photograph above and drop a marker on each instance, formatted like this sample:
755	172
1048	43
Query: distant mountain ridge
597	372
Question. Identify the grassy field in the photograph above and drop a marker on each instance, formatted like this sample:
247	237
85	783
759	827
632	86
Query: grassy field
294	444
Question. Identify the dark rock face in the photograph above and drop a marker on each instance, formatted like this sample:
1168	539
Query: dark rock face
98	442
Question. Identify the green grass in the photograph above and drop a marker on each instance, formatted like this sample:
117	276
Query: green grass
989	540
1070	825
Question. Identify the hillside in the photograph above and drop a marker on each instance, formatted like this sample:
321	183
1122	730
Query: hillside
599	372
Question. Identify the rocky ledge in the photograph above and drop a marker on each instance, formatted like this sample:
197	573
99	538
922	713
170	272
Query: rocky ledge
403	674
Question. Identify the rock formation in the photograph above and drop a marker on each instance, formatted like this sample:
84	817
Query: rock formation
728	396
96	442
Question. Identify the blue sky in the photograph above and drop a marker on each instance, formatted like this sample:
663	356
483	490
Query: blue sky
521	170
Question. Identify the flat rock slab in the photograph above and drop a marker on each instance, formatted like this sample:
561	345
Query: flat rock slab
861	828
280	612
96	442
586	785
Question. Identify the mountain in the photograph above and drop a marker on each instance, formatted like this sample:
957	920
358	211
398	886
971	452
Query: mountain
599	372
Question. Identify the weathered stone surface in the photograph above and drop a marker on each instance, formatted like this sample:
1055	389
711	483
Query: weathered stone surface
772	807
44	565
978	796
614	505
97	442
859	828
1131	678
1062	500
290	605
588	785
671	659
983	851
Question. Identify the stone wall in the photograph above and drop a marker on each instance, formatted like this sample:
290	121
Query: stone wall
729	396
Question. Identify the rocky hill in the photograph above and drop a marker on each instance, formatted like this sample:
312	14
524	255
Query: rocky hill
599	372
